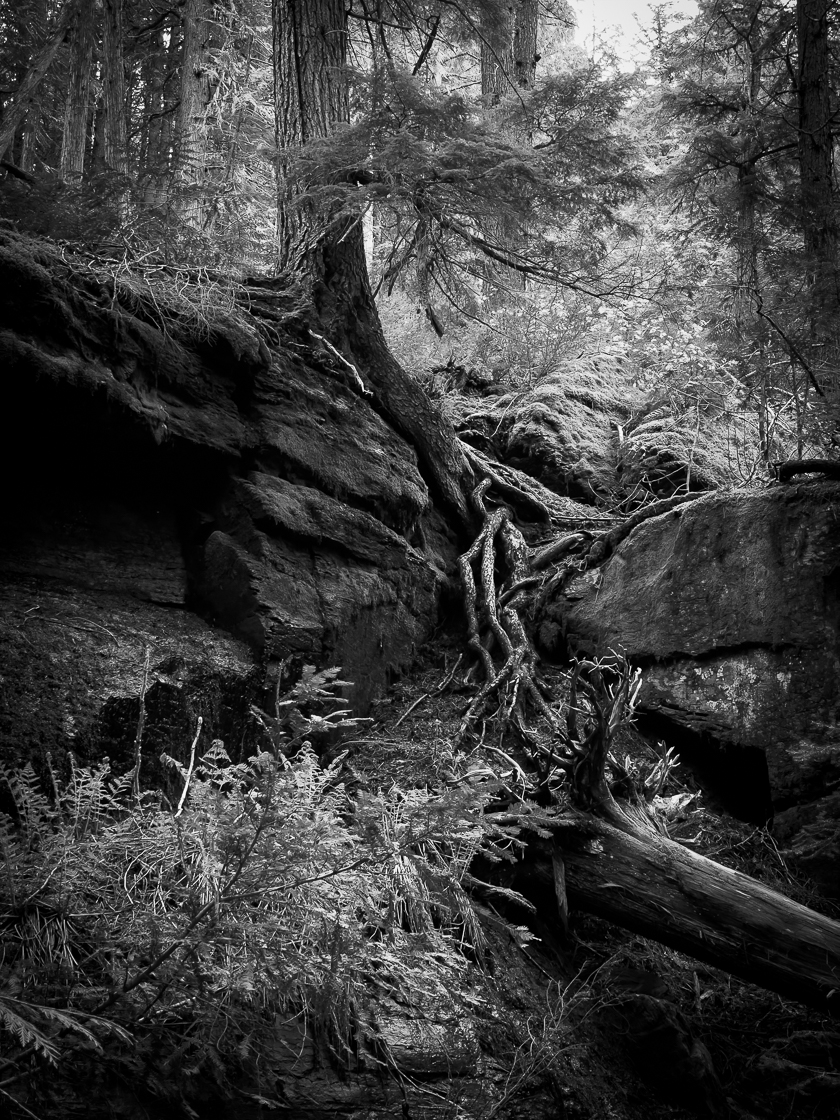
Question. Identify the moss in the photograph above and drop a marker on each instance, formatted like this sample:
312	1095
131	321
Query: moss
563	430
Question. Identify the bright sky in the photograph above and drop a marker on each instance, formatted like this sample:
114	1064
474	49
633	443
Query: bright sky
618	20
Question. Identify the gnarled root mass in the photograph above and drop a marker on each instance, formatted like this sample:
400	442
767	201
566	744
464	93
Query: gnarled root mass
604	853
495	624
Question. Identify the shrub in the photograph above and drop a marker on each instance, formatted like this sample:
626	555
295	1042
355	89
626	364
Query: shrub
167	938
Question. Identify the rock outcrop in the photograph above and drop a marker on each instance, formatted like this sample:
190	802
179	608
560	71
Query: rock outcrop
176	486
732	606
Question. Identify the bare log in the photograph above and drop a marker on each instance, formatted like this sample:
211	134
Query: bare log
620	864
830	468
653	886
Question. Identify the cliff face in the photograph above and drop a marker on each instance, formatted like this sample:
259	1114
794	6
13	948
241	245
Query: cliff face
176	486
732	605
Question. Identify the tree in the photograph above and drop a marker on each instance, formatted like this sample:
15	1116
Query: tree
198	87
115	132
77	108
510	63
325	250
753	88
15	112
510	68
815	150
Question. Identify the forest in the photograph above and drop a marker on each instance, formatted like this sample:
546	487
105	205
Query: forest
420	599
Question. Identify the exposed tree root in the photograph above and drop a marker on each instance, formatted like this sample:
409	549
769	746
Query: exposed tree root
607	854
513	685
530	498
606	544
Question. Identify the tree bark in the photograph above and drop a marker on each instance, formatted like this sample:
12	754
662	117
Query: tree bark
747	242
507	66
324	250
77	108
113	66
511	63
653	886
154	146
311	99
197	92
15	112
819	224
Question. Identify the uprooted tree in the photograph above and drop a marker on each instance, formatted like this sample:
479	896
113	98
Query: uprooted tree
605	856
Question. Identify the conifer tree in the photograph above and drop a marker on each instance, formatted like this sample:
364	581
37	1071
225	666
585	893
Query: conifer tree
815	148
78	104
198	87
15	111
114	108
324	247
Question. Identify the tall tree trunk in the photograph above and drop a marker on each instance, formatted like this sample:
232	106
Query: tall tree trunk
197	91
819	223
16	111
311	99
509	60
325	251
163	102
113	80
77	108
747	247
508	65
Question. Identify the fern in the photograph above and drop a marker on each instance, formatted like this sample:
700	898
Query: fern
24	1030
270	892
295	722
32	808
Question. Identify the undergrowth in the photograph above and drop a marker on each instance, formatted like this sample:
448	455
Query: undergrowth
164	939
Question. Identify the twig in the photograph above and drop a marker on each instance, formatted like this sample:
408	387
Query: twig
435	691
190	770
357	379
138	738
410	709
18	1103
91	628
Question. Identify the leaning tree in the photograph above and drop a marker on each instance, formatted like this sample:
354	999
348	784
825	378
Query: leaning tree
321	249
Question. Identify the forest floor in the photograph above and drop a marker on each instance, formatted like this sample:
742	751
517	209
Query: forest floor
619	1016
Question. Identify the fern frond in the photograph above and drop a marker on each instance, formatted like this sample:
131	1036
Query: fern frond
24	1030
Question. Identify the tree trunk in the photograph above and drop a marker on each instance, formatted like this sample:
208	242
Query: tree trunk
77	108
325	251
511	63
310	99
113	80
747	247
15	112
644	882
197	91
508	66
819	225
163	89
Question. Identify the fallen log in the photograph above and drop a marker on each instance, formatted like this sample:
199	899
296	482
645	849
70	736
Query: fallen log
653	886
608	857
